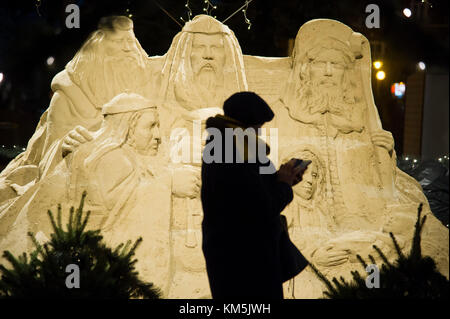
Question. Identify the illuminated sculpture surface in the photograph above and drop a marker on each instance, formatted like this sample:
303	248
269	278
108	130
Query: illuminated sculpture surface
327	106
351	196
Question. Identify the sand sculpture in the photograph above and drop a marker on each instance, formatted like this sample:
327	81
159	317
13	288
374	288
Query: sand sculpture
119	137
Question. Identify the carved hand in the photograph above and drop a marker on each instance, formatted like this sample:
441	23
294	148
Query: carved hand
329	256
383	139
186	182
75	138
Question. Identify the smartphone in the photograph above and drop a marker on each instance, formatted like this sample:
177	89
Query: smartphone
303	163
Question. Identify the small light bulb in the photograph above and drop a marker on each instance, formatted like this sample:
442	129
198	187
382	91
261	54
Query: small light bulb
407	12
381	75
422	65
377	64
50	60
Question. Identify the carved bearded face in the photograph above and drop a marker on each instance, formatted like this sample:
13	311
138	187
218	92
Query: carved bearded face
208	55
307	187
121	44
109	63
145	135
327	69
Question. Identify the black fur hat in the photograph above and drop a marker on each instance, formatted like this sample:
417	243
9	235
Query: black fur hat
248	108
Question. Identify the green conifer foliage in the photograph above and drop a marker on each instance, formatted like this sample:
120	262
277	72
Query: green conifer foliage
103	272
412	276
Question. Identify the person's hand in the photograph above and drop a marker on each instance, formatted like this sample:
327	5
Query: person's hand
329	256
75	138
186	182
290	174
383	139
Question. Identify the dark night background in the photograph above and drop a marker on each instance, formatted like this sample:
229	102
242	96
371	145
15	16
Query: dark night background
27	39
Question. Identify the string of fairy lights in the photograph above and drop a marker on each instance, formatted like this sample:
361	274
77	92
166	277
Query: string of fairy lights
209	7
247	20
38	5
189	12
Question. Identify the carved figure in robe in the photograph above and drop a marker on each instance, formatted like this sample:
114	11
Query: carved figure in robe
328	103
110	61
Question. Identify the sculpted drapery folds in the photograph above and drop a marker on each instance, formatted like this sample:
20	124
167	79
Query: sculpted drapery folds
203	66
128	184
324	96
314	230
112	165
329	104
109	62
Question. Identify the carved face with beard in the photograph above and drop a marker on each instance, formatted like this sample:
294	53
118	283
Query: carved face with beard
204	66
110	62
327	86
323	82
207	61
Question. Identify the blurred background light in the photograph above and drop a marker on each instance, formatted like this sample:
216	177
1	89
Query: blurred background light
422	65
377	64
381	75
50	60
398	89
407	12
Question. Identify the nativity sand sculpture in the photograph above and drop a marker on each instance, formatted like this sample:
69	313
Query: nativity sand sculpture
351	197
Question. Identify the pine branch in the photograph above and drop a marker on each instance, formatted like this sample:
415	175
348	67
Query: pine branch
324	279
411	276
372	260
106	272
56	229
416	252
382	255
362	261
400	254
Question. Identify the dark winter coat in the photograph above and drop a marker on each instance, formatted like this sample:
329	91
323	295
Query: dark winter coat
241	226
